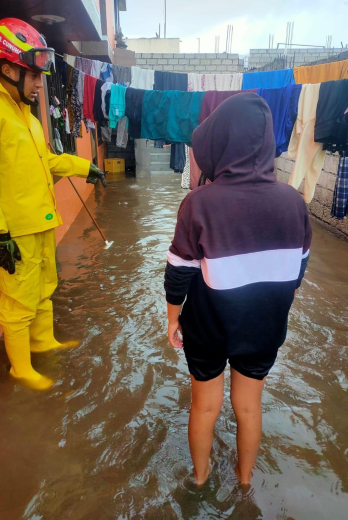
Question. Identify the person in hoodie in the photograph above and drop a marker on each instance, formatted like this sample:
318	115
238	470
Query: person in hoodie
239	254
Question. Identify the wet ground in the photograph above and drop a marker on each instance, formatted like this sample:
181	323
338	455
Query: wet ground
109	440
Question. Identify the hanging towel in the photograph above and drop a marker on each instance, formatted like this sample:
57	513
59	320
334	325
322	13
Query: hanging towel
105	88
96	68
339	207
143	78
219	82
88	97
134	110
122	133
308	154
117	104
70	60
321	73
185	180
106	72
170	81
122	75
170	115
212	100
283	103
331	126
84	65
268	79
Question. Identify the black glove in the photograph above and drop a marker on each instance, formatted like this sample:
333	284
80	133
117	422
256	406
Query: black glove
9	253
95	175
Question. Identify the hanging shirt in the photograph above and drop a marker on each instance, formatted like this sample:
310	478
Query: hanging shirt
331	126
106	72
97	105
170	81
84	65
321	73
105	88
142	78
122	75
268	79
96	68
74	103
220	82
117	104
283	103
88	97
309	155
339	207
134	111
212	100
170	115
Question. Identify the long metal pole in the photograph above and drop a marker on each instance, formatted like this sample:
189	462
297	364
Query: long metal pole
165	18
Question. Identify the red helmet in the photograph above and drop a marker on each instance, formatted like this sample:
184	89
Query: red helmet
21	44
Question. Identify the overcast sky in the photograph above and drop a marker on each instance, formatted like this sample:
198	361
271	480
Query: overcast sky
253	21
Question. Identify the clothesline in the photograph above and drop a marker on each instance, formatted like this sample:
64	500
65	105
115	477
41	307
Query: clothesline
306	116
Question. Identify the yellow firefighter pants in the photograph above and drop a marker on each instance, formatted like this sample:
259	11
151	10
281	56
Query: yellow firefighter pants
25	297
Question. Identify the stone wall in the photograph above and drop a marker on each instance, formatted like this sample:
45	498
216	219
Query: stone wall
295	57
320	206
199	63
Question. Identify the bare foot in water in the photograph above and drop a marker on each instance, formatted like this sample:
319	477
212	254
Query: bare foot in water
238	474
203	481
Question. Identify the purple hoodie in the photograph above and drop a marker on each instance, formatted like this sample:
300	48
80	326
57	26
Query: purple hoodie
240	242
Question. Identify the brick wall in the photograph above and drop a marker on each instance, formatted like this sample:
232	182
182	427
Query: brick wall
320	206
199	63
295	57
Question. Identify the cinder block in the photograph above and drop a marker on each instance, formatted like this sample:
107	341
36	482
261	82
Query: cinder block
331	163
179	68
316	209
331	182
152	61
226	62
168	55
190	56
211	56
157	55
162	62
189	68
200	68
173	62
178	56
168	67
200	56
141	61
184	62
211	68
146	56
195	62
205	62
159	67
138	55
216	62
222	69
327	217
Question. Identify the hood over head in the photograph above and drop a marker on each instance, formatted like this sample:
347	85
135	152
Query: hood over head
237	141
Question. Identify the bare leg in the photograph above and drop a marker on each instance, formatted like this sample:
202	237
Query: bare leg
206	404
246	401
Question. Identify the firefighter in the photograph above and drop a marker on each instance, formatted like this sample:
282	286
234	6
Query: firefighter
28	210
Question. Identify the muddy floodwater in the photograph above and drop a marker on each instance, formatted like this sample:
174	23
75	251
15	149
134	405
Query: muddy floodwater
109	440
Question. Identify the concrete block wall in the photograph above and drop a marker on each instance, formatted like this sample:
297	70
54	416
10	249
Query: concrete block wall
295	57
199	63
320	207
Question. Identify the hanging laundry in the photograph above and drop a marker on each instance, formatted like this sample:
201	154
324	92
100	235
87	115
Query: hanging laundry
117	104
122	75
220	82
122	133
66	121
88	97
106	72
331	126
75	104
185	180
212	100
283	103
142	78
321	73
81	86
170	81
96	68
84	65
171	115
339	207
97	105
57	143
105	89
309	155
70	60
106	134
134	110
177	157
268	79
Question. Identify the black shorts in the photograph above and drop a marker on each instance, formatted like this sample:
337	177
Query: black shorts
205	364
